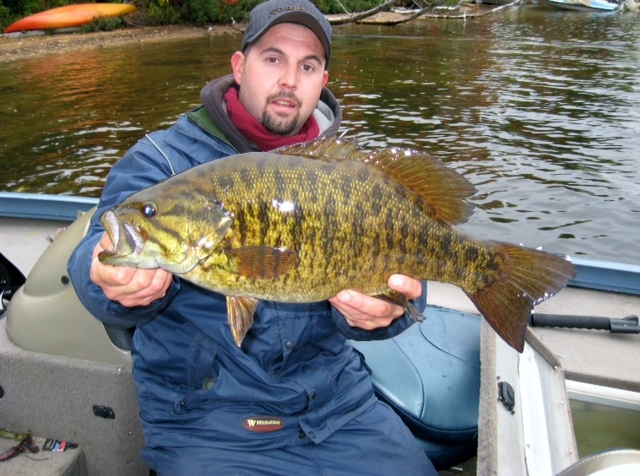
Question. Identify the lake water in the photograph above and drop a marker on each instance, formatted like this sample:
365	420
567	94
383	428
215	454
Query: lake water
540	109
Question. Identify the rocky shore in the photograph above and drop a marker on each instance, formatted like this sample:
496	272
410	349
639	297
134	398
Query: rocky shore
17	46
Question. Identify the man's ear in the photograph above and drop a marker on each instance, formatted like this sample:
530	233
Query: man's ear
237	65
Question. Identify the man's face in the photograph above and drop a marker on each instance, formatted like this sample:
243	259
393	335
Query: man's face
281	77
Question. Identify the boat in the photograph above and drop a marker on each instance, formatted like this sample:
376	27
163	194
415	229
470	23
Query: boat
583	5
66	380
499	2
70	16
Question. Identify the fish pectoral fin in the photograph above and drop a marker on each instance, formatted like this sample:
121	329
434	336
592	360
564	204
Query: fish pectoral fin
395	297
240	312
262	262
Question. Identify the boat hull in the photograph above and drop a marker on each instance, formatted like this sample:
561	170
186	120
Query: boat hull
54	373
582	5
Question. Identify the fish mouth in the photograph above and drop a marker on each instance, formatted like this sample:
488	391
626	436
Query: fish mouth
126	239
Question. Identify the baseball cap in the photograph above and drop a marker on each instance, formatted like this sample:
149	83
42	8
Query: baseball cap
303	12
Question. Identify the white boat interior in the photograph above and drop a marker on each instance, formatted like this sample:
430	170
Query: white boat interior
68	381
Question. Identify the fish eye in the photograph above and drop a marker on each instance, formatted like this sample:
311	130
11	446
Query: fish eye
149	210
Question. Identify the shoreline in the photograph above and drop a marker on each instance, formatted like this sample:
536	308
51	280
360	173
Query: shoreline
13	48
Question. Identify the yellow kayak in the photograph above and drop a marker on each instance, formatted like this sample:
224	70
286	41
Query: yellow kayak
69	16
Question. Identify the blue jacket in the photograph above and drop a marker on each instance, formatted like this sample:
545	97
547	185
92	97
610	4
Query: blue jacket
295	375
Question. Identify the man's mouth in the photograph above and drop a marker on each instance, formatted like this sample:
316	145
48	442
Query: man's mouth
288	101
284	103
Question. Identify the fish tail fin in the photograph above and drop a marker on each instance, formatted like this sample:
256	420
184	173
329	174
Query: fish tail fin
526	278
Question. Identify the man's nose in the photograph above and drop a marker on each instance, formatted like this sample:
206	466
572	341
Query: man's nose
289	77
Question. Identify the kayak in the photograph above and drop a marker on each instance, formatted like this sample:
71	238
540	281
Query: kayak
70	16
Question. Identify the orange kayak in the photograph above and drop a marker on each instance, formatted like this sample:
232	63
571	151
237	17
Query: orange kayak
69	16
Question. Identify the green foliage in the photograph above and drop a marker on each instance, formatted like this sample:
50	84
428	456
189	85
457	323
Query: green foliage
199	12
217	11
6	17
22	8
103	24
162	12
346	6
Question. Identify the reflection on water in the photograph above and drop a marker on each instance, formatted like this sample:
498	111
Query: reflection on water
69	117
539	109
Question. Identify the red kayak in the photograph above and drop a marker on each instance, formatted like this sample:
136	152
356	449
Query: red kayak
69	16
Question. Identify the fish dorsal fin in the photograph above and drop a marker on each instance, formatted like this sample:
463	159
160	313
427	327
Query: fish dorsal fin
442	188
329	149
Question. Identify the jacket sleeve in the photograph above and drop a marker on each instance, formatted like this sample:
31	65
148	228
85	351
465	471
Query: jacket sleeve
398	326
142	166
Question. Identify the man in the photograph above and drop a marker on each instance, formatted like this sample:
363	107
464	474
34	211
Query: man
295	398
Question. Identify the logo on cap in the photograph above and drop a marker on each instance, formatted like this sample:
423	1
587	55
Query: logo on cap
289	8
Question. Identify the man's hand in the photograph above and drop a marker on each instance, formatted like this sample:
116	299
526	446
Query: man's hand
127	285
368	313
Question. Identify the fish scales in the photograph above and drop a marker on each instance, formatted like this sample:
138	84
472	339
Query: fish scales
328	222
306	221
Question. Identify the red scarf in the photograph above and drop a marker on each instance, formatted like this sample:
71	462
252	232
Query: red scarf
256	133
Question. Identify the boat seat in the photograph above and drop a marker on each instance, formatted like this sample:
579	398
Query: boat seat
430	374
45	315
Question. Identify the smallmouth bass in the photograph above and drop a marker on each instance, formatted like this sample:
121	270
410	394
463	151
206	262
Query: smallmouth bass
304	222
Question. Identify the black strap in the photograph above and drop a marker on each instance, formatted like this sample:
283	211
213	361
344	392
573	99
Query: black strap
11	278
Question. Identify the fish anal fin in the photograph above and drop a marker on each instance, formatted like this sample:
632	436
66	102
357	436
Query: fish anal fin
395	297
527	277
262	262
240	311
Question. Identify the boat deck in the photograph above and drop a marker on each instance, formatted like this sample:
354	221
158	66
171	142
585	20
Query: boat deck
585	355
24	241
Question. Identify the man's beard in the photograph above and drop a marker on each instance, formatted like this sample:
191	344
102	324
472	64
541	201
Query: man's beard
280	125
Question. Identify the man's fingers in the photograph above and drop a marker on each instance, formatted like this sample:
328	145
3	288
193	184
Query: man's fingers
410	287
